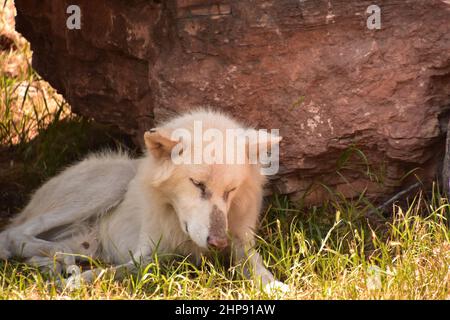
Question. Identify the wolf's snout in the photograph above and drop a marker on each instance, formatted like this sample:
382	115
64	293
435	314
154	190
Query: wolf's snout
217	237
217	242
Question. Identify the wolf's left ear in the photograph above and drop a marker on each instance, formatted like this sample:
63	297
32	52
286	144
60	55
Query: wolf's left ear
159	144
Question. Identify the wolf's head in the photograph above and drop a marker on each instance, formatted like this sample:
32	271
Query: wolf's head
204	176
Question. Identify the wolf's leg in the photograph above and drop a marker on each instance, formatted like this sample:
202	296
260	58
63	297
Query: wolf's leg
46	264
142	256
32	247
254	269
22	239
253	264
52	219
119	271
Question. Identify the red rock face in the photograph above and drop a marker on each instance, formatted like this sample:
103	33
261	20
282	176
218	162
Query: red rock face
358	108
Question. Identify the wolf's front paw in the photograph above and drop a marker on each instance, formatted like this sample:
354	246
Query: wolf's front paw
276	288
78	278
73	282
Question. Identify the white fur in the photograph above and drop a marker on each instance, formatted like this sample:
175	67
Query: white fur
109	206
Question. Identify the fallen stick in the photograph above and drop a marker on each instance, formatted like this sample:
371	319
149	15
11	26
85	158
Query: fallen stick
397	196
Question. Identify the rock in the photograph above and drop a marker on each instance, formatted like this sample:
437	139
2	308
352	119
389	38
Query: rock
358	108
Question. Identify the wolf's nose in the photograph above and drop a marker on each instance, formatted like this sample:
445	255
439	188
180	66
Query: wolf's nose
216	242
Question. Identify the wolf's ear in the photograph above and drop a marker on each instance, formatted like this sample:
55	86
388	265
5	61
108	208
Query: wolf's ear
159	144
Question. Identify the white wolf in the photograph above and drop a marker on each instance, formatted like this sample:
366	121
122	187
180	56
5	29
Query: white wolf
120	210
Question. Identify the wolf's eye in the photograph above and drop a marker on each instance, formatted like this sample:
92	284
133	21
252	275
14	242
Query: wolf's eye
226	194
198	184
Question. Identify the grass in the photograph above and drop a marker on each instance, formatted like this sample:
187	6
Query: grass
321	253
326	252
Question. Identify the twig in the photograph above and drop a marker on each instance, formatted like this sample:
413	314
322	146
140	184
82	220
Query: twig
371	213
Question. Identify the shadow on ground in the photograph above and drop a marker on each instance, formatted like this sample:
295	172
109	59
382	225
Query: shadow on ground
23	168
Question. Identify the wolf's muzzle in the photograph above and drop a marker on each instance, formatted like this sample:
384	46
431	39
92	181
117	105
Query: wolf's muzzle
217	237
